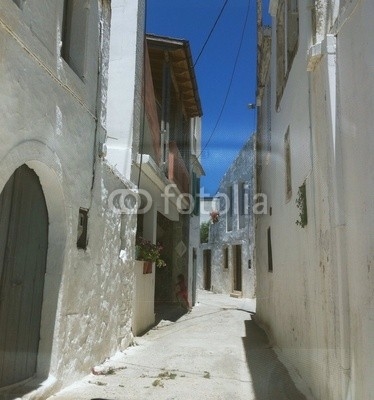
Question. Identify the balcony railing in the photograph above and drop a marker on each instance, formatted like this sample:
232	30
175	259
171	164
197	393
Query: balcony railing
178	172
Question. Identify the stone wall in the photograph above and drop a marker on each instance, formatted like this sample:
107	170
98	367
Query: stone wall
54	121
239	174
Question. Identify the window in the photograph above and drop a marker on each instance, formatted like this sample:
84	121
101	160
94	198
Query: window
82	229
249	263
270	252
195	183
287	40
267	125
226	257
19	3
74	30
292	31
242	203
287	156
123	232
229	208
314	23
302	206
280	49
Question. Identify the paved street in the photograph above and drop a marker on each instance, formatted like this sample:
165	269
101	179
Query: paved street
215	352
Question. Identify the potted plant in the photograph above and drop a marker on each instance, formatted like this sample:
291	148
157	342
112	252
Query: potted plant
214	217
148	252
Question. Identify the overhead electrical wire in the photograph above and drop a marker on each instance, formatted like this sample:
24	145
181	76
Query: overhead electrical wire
231	79
210	33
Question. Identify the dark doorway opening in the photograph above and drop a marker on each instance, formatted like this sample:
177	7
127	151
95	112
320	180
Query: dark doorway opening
207	256
237	263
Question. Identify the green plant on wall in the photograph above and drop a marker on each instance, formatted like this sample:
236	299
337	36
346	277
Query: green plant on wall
301	205
204	232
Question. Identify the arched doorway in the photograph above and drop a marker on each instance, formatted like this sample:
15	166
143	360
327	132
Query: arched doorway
23	252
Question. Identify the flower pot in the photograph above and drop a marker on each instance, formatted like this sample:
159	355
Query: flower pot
147	267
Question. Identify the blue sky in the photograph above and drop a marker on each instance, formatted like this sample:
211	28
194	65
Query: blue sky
193	20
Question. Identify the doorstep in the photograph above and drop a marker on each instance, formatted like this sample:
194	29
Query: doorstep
237	294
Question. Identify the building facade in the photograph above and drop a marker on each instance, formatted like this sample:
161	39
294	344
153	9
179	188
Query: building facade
314	246
66	294
226	260
167	167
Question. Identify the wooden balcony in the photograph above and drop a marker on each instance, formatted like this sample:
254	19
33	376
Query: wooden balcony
177	172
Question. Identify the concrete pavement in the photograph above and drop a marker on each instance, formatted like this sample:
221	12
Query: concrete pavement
216	352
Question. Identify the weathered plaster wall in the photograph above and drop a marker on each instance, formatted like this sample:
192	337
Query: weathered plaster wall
241	171
317	302
96	294
295	300
355	82
49	122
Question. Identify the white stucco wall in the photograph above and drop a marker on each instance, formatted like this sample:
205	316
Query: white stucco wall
317	302
296	301
144	299
124	86
49	122
355	60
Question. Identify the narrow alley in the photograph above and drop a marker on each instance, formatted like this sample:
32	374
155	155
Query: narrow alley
215	352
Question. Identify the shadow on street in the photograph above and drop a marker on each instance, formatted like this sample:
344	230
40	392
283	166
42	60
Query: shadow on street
271	379
169	312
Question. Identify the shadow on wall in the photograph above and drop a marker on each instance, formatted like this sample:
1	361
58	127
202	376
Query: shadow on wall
270	377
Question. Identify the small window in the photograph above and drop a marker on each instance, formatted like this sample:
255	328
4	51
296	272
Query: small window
314	23
287	41
292	31
242	203
123	232
19	3
270	252
287	156
267	126
226	257
280	51
249	263
74	31
302	206
230	208
82	228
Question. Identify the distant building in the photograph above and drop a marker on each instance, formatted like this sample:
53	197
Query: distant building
226	260
314	246
167	167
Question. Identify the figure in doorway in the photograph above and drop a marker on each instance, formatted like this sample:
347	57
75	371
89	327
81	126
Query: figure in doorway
182	293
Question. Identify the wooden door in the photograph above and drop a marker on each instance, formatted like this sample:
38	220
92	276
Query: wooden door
23	250
237	263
